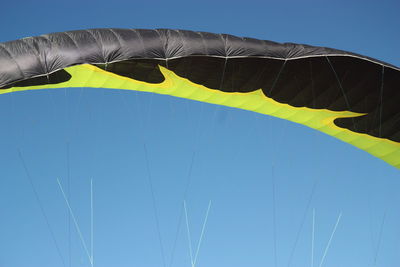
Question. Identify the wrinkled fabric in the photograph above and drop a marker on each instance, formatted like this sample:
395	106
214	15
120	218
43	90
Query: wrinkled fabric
35	56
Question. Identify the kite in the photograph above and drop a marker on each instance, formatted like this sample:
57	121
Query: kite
348	96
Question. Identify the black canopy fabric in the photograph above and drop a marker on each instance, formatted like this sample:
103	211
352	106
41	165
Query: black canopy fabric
298	77
34	56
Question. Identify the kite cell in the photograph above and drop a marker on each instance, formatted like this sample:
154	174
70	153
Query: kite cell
349	96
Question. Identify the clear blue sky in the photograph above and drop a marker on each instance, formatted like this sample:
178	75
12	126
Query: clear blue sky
239	160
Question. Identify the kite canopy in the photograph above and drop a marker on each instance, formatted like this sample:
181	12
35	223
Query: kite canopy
346	95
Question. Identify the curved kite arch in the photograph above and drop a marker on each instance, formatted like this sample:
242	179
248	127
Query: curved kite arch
349	96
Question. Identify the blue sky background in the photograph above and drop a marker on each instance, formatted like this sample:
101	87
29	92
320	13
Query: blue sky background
237	159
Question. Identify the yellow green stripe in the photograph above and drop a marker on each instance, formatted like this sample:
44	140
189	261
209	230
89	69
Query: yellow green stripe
319	119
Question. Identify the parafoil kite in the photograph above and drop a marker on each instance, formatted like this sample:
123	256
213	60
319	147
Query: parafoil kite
349	96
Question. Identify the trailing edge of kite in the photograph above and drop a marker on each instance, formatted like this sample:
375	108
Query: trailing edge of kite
349	96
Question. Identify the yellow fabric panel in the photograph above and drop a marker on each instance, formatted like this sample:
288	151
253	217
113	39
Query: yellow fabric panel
319	119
